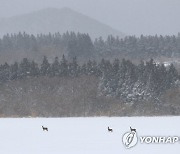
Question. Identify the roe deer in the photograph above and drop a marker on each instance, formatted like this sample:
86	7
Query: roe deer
132	130
110	129
44	128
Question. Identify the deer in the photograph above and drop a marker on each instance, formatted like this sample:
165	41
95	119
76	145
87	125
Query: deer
45	128
132	130
110	129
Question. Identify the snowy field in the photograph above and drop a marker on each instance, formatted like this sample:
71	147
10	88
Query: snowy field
84	135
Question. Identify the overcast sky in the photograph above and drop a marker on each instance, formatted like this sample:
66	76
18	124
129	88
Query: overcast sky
132	17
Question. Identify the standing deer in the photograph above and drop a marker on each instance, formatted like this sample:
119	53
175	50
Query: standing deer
110	129
132	130
44	128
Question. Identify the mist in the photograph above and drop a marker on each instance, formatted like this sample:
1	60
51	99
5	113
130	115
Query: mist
132	17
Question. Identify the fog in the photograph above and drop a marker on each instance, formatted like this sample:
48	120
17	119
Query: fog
133	17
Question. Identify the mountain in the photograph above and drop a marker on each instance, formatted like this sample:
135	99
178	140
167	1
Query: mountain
56	20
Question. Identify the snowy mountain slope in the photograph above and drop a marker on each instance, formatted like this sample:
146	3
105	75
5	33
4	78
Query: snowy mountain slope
56	20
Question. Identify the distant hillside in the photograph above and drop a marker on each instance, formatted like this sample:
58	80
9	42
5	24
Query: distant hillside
56	20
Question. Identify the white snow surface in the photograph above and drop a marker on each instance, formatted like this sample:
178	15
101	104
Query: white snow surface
84	135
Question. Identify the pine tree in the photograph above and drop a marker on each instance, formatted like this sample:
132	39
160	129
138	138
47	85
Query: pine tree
172	76
64	70
55	67
45	67
34	70
14	71
24	68
4	72
74	68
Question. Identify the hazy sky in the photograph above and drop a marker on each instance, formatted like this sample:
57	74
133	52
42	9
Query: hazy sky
132	17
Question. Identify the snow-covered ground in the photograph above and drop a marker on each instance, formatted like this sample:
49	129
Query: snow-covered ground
84	135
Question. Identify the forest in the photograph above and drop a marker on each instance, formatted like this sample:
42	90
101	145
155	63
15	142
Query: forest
80	45
70	74
67	88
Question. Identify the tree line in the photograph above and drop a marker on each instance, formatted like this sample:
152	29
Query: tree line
120	79
142	47
81	45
